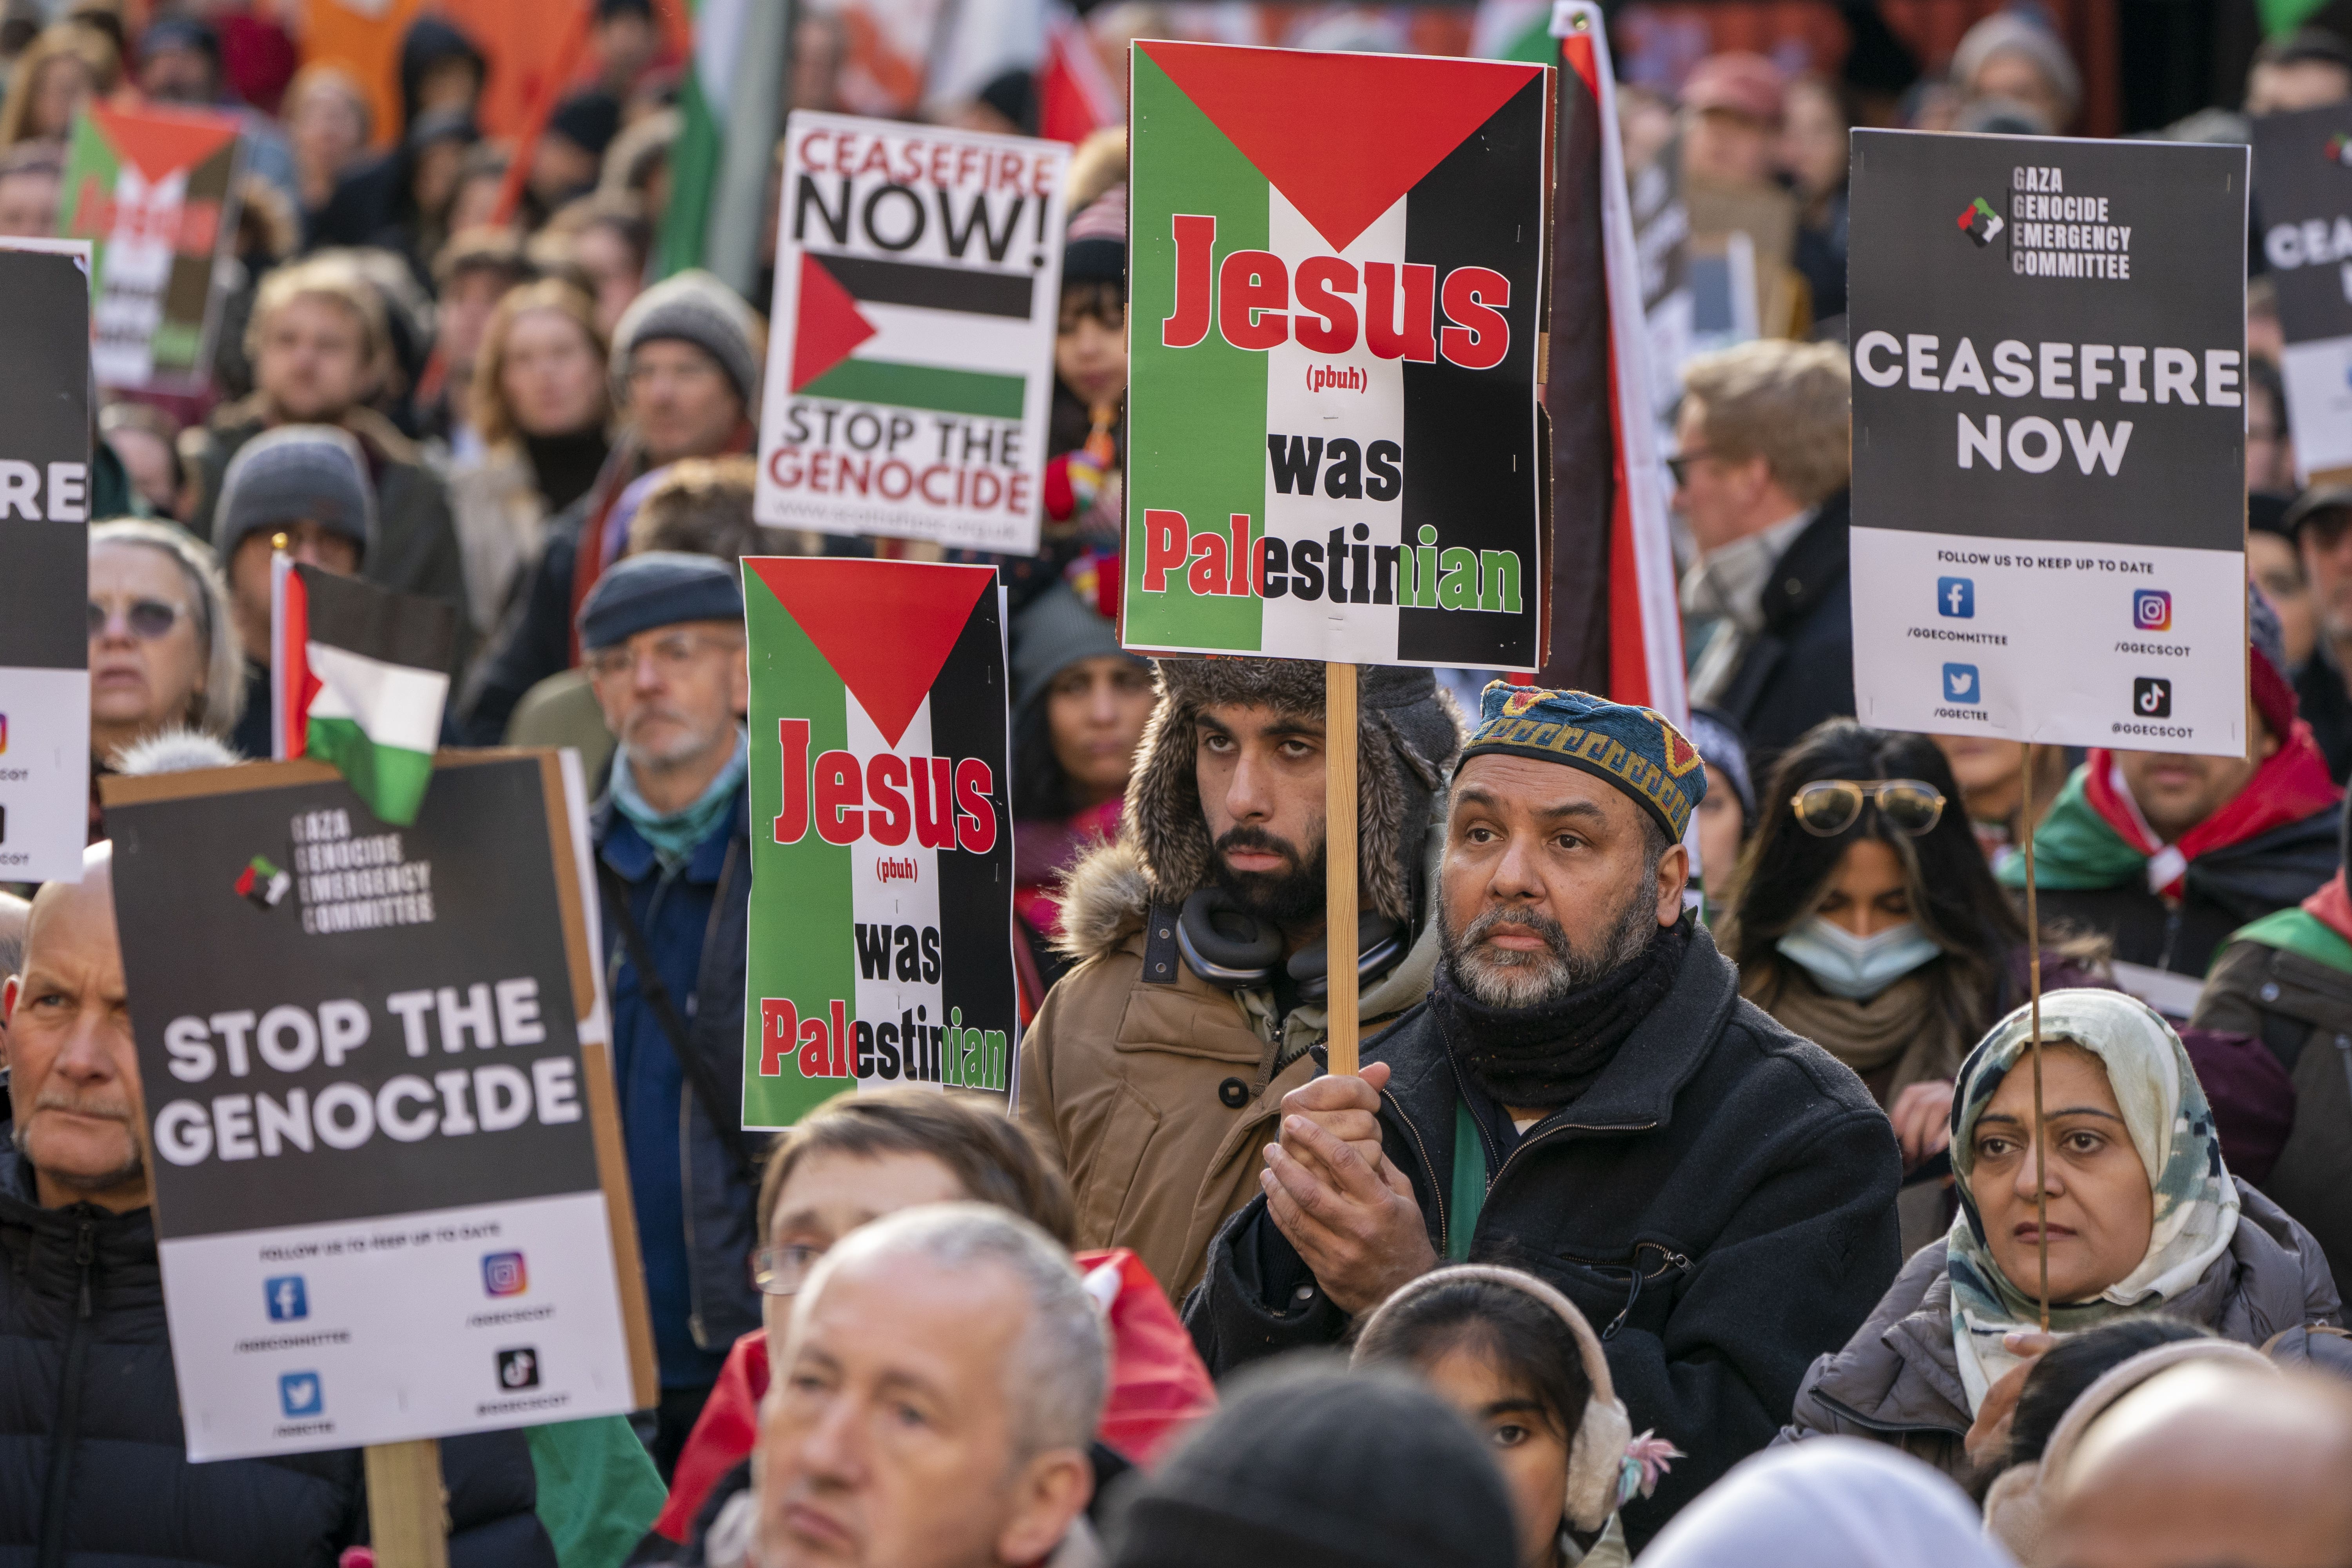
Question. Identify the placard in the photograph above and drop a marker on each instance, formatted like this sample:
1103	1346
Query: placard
389	1192
44	430
2302	216
2048	440
1336	271
154	191
911	363
881	917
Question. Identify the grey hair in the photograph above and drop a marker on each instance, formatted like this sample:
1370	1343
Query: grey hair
1059	1370
223	699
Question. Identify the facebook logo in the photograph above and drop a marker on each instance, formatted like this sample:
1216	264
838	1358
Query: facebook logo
287	1299
299	1393
1960	684
1956	597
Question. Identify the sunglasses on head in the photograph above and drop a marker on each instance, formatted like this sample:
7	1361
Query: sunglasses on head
147	618
1827	807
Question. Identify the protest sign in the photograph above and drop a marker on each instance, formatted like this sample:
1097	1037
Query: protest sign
154	192
910	365
1336	267
881	917
2048	440
2303	216
388	1182
45	426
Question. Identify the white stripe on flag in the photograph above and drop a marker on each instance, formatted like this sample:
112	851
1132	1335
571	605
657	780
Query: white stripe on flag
394	704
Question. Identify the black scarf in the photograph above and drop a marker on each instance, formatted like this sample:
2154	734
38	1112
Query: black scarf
563	467
1544	1057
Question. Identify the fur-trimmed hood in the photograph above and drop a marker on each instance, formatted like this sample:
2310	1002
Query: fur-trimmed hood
1408	734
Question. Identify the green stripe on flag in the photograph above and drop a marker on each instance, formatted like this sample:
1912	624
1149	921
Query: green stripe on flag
1197	415
388	779
974	392
802	944
693	181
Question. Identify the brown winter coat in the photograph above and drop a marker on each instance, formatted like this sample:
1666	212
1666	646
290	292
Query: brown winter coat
1127	1084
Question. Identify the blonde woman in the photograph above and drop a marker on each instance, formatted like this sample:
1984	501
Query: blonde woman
65	68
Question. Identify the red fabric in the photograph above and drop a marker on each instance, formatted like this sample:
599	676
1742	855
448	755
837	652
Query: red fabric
1158	1388
2331	907
1061	501
722	1435
2273	698
258	59
2291	785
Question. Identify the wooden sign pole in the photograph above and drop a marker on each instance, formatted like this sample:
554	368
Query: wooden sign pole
1340	861
2033	1022
408	1514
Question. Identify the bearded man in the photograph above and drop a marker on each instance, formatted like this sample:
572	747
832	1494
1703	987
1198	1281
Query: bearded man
1584	1095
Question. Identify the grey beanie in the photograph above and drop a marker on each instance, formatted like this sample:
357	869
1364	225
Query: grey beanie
1054	631
659	588
692	307
296	473
2005	32
1308	1466
1408	733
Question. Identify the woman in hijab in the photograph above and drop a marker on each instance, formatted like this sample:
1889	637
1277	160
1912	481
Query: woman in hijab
2142	1217
1864	918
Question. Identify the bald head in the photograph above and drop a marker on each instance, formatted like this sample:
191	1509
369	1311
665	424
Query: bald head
2207	1465
74	1073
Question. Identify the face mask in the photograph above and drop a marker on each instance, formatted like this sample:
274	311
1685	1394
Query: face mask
1858	967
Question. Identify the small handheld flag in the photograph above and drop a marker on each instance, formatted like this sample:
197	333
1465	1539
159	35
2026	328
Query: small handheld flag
359	676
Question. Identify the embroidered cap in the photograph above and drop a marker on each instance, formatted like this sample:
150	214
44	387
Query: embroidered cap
1632	748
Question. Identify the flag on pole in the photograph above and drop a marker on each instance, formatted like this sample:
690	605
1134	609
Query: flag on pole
1075	96
694	158
1514	30
358	677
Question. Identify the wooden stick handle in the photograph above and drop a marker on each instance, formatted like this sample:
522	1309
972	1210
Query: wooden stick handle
408	1514
1340	860
2033	1022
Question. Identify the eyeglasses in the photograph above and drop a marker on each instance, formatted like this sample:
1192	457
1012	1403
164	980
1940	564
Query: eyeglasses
1679	464
672	655
783	1271
1827	807
148	619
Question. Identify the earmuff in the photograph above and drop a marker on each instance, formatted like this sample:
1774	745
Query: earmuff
1596	1458
1234	950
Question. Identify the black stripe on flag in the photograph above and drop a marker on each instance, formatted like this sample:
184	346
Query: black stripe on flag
964	288
967	719
406	629
1469	436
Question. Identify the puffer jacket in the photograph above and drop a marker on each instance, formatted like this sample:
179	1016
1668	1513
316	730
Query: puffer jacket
1720	1203
94	1470
1157	1092
1899	1380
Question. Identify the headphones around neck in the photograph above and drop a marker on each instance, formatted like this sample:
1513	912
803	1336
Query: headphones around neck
1596	1457
1234	950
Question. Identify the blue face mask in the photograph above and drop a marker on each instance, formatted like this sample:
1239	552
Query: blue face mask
1858	967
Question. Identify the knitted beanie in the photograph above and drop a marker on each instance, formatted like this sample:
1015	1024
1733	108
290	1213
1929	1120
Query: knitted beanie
296	473
691	307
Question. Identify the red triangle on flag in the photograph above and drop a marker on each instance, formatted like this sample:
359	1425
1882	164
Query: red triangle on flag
886	627
826	324
157	141
1342	136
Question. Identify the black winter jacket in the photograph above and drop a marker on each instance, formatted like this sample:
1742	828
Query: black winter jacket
93	1459
2221	892
1799	669
1720	1205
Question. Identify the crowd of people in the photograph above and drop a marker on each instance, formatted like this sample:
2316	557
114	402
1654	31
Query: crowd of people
1691	1206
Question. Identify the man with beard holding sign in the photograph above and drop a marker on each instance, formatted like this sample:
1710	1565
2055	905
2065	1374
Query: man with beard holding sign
1584	1095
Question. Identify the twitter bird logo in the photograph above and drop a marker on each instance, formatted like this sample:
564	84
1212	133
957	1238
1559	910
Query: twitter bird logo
1960	683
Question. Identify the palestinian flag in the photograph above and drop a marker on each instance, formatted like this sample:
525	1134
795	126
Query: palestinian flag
881	916
1338	275
359	676
154	191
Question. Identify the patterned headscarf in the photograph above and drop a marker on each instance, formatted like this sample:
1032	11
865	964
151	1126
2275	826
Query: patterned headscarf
2171	1126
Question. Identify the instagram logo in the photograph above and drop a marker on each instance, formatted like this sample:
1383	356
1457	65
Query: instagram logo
2152	610
503	1274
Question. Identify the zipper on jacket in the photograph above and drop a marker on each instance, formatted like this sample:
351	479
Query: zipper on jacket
1672	1263
1436	1191
65	1433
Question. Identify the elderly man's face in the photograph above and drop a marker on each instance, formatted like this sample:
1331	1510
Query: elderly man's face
1547	882
671	694
889	1438
74	1073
